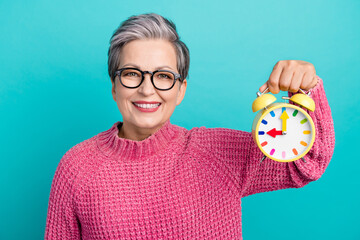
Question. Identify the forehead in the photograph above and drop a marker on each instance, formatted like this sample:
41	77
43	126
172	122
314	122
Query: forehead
149	53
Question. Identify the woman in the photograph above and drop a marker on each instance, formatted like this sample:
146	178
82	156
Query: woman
145	178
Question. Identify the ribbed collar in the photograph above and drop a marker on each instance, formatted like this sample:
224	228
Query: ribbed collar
120	148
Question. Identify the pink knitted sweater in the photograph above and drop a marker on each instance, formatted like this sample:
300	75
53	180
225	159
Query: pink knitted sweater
176	184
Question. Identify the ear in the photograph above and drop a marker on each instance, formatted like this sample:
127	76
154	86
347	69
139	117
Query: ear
113	91
182	91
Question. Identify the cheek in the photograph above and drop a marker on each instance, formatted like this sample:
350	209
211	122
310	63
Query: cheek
122	96
169	97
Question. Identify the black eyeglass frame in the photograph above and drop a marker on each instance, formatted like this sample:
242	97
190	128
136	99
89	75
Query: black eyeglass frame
176	77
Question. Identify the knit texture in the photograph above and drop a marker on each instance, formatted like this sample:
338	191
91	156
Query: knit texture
176	184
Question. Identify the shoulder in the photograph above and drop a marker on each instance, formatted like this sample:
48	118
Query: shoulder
75	156
216	138
88	149
217	134
81	149
223	144
77	159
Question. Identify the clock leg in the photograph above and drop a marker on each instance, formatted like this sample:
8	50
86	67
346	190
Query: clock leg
303	159
262	159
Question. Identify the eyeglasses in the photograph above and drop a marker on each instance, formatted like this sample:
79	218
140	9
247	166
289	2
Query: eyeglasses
161	79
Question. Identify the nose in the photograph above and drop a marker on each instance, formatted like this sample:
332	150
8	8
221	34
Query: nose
146	88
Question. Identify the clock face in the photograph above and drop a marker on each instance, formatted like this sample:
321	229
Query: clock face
285	133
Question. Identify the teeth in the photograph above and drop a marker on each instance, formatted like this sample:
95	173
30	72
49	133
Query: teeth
155	105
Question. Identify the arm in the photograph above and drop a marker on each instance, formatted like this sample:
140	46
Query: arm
271	175
238	158
62	222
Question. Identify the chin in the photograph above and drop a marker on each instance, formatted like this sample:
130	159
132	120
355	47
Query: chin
149	124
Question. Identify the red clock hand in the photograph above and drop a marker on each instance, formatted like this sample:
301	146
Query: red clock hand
273	132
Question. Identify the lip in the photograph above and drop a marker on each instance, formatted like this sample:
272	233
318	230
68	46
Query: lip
147	110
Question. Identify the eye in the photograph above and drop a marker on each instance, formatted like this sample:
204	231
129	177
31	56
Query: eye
130	73
162	75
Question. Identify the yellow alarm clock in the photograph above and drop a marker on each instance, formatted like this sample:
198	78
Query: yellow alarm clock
284	132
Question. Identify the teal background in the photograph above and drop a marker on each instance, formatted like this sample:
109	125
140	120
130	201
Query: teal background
55	93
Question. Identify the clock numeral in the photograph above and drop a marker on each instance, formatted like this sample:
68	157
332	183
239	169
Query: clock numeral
272	151
303	121
295	151
295	113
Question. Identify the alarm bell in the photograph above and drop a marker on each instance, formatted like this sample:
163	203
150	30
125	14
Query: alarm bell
304	101
263	100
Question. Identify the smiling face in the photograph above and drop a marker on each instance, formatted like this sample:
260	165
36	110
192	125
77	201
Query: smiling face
145	109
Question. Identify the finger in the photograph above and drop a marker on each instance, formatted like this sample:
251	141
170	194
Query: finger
307	81
314	82
296	81
273	82
285	80
263	87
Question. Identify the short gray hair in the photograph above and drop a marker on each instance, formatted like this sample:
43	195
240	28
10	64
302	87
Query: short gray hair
147	26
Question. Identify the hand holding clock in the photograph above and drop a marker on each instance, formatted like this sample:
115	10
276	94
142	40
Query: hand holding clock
290	75
285	132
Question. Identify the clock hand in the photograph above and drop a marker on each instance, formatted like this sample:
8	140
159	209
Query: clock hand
273	132
284	116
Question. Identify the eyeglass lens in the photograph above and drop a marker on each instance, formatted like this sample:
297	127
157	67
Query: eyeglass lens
132	78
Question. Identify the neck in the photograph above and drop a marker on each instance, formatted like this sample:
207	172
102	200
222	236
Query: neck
128	131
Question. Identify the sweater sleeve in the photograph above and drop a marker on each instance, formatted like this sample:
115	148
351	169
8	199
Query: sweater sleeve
240	156
62	222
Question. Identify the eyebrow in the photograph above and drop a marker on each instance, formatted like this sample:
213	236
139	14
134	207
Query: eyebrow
157	68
